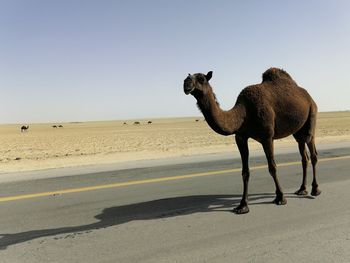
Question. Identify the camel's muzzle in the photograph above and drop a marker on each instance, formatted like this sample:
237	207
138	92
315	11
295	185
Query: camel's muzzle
188	87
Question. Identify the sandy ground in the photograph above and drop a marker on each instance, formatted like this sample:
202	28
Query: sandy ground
87	143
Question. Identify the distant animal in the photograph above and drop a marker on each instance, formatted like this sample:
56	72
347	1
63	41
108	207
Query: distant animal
24	128
197	120
124	123
60	126
137	123
273	109
54	126
149	122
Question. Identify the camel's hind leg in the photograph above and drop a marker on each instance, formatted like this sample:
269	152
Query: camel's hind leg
312	148
304	161
307	135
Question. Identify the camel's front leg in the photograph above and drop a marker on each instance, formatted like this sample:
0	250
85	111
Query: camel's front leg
242	144
268	149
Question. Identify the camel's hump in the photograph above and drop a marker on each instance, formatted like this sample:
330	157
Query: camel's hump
273	74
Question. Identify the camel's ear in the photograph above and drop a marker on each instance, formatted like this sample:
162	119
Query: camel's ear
209	75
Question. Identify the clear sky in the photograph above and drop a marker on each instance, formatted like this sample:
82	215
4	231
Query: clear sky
71	60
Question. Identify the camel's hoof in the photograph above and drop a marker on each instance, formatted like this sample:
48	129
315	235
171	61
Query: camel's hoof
280	201
301	192
315	192
241	210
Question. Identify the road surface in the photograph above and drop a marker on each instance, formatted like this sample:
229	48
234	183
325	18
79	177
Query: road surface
179	213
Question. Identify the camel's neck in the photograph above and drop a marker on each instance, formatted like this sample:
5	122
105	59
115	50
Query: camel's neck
222	122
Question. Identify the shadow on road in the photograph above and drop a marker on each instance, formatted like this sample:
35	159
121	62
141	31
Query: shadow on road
162	208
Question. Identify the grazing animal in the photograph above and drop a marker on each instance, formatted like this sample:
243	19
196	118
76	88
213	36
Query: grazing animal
149	122
137	123
60	126
54	126
24	128
197	120
273	109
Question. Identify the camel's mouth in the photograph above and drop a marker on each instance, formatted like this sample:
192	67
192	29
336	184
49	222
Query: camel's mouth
188	87
188	91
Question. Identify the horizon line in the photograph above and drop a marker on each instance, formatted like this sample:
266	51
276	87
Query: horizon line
127	119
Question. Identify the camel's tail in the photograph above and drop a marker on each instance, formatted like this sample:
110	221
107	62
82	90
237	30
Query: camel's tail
311	122
307	132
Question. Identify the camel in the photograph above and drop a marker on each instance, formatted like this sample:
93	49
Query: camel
24	128
273	109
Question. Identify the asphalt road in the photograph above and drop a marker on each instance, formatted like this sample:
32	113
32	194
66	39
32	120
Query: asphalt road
179	213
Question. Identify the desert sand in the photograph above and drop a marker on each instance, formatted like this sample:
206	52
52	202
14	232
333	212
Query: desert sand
87	143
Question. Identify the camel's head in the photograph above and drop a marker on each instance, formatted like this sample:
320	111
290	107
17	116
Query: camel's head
197	83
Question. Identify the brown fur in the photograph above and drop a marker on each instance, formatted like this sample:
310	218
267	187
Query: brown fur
273	109
24	128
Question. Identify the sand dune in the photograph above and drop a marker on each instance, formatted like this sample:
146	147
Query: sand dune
75	144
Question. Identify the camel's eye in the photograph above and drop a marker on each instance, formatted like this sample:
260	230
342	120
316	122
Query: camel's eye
200	79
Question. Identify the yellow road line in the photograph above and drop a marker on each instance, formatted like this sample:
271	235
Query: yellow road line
149	181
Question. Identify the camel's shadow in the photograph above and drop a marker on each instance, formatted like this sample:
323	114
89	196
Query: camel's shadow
162	208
